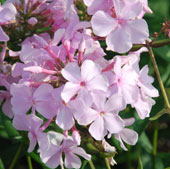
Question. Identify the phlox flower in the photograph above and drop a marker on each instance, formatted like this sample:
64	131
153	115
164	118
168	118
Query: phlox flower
55	145
122	30
127	135
94	6
88	77
123	79
101	115
42	100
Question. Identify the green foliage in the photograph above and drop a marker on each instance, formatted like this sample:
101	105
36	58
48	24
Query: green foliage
140	165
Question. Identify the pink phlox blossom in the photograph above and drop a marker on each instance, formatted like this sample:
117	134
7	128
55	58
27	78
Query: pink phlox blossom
56	145
30	123
94	6
41	100
143	105
122	30
144	101
146	8
123	80
110	149
64	14
100	113
7	13
145	83
64	119
127	135
88	77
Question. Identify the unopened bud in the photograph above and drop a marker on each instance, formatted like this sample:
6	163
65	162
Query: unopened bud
32	21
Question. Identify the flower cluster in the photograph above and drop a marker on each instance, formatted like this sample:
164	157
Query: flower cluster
60	77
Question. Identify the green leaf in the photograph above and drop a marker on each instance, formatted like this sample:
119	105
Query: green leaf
2	1
43	29
140	125
1	164
3	133
140	165
163	52
84	165
12	132
145	143
165	157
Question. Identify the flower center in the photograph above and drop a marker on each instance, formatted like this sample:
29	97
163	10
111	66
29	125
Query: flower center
82	84
102	113
121	21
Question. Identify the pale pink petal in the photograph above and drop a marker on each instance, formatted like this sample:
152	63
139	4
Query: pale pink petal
3	36
72	73
117	66
143	106
20	122
119	40
129	136
87	116
65	119
22	103
99	99
17	69
89	70
88	2
130	93
103	24
70	89
115	102
33	141
7	108
113	122
46	108
72	161
129	121
58	35
132	9
43	92
54	161
117	136
97	129
97	83
81	152
138	30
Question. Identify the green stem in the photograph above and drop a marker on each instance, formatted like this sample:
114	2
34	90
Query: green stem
91	164
107	163
16	156
29	162
167	105
155	141
154	44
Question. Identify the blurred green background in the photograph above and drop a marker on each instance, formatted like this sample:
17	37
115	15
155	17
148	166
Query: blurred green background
10	138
